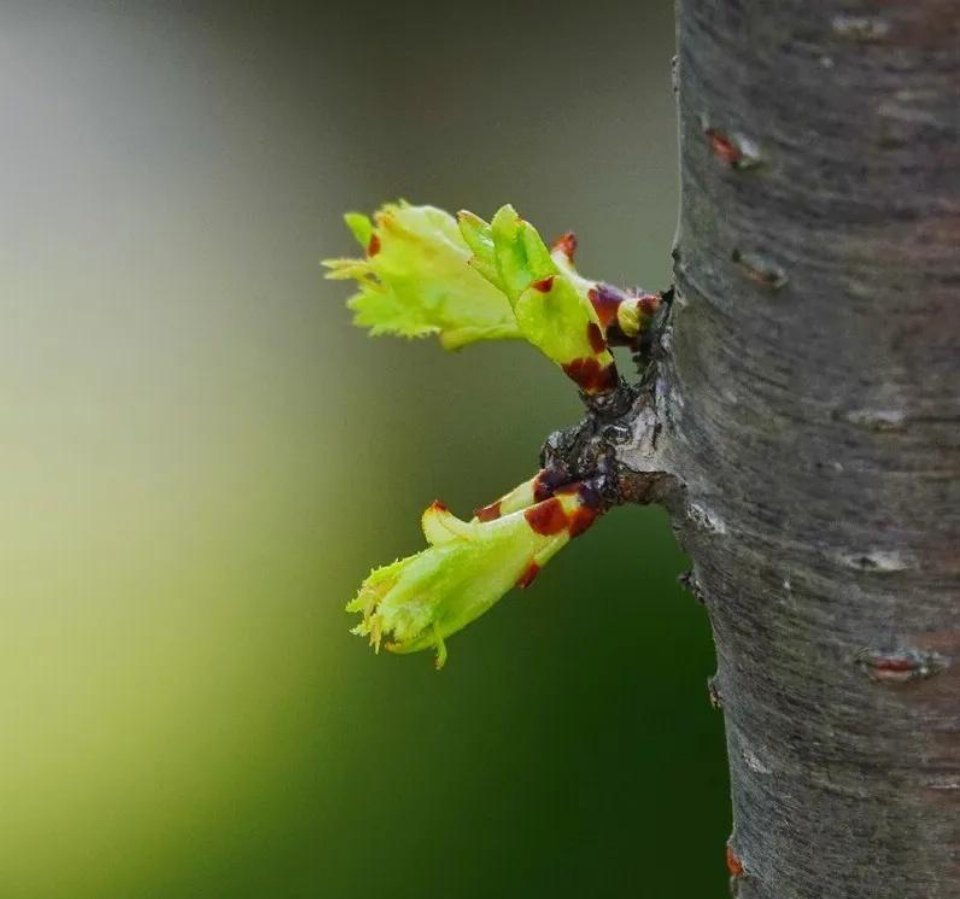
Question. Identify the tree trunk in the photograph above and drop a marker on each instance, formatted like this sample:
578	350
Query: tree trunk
809	405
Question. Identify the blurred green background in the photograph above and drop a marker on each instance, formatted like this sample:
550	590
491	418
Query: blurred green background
202	459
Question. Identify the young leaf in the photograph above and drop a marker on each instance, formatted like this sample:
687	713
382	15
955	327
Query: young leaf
361	227
550	300
555	318
415	280
478	235
521	256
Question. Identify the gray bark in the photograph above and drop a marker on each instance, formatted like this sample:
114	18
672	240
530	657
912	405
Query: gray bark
808	406
798	414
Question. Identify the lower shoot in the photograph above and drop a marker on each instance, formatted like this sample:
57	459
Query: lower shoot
417	602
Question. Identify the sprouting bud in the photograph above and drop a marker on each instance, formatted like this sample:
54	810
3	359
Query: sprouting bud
465	279
417	602
414	279
624	316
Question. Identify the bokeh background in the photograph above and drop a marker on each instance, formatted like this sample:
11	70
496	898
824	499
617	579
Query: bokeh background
201	460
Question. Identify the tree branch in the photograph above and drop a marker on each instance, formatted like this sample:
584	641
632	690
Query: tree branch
810	402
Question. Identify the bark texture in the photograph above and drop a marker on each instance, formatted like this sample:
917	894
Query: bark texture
809	405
